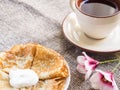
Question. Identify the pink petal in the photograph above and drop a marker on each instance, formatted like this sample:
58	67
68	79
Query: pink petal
81	60
89	69
91	60
87	57
95	81
86	65
107	75
87	75
103	81
81	69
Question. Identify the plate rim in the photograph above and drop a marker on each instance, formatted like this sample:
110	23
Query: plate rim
67	82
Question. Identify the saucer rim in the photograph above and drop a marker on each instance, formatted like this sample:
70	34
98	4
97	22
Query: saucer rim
86	49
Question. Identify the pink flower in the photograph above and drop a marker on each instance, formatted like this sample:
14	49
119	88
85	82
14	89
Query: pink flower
103	81
86	65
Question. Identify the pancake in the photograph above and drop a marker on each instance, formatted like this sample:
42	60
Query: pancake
19	56
27	88
4	82
50	84
48	63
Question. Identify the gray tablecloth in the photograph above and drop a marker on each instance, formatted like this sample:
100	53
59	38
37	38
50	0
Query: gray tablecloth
40	21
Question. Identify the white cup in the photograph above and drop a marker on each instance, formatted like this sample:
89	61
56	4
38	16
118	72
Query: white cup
96	26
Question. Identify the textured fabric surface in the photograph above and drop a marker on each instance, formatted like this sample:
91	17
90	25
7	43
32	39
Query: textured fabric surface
40	21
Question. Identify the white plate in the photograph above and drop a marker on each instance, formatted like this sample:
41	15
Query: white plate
68	78
73	33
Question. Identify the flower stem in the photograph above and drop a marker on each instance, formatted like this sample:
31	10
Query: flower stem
115	68
108	61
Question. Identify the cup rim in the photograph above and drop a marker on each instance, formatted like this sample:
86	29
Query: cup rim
116	13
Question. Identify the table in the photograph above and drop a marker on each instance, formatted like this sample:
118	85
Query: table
40	21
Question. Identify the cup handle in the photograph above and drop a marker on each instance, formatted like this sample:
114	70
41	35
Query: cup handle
72	5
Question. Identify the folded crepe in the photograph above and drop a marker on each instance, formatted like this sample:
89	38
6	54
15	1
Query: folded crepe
20	56
47	63
50	84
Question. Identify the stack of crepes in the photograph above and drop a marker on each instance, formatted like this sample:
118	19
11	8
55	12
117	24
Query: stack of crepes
50	66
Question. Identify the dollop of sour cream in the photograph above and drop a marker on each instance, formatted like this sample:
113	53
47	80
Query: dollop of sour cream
20	78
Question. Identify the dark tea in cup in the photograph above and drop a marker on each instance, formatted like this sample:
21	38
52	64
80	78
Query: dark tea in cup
98	8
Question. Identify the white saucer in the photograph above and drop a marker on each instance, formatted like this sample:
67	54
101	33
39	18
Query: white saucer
71	30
